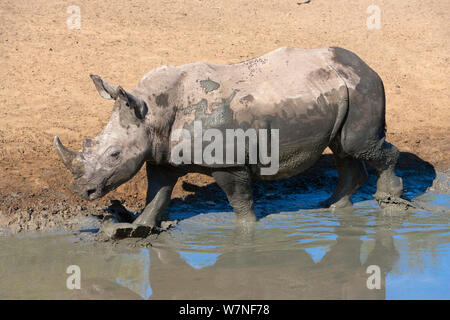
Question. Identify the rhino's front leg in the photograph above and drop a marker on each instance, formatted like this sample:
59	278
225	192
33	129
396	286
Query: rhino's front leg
161	181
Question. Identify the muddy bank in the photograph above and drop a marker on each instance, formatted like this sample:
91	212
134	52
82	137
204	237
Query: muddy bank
53	211
46	217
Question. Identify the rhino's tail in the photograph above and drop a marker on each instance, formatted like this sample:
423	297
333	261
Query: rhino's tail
384	104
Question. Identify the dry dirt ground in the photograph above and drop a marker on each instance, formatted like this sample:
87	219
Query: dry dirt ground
45	89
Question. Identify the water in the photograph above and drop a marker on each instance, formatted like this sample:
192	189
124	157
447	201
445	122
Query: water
296	251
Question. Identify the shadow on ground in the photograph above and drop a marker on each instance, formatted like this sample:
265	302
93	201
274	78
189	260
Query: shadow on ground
303	191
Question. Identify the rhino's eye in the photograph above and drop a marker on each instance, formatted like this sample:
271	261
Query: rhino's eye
115	154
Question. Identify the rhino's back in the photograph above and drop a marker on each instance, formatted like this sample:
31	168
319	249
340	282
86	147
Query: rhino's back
293	90
261	83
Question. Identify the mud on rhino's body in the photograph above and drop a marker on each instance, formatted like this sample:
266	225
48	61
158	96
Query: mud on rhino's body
316	98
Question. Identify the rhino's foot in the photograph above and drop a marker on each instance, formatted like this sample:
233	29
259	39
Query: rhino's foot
113	229
391	202
118	231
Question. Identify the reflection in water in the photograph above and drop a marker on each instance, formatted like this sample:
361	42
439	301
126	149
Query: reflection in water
306	254
135	276
281	266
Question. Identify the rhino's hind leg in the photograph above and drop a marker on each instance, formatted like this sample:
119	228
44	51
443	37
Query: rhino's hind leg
384	158
236	183
352	174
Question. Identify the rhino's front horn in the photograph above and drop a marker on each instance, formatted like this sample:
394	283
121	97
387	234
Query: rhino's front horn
65	154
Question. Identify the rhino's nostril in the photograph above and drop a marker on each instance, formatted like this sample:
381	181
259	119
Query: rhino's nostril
90	191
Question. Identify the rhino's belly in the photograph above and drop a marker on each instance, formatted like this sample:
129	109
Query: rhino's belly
294	158
304	127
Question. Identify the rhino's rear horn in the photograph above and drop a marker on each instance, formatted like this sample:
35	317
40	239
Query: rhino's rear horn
65	154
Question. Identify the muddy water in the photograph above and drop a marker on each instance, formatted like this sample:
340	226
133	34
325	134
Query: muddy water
307	253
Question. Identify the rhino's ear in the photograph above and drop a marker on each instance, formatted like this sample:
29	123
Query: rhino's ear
105	89
138	105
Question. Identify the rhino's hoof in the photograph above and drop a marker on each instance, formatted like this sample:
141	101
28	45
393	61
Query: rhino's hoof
141	231
387	201
118	231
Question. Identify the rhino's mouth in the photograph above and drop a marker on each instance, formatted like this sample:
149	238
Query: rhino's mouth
88	192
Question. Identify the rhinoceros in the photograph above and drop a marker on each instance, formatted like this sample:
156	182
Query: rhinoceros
312	98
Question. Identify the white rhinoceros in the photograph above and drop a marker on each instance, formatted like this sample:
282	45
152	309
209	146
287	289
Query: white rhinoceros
311	99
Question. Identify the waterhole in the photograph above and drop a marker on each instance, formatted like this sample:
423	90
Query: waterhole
295	251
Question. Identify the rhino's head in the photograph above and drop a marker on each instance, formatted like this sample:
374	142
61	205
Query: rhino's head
117	153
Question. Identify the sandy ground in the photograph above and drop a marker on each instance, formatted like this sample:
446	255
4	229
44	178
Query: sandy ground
45	89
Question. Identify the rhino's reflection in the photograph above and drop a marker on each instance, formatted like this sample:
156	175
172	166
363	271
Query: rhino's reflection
252	272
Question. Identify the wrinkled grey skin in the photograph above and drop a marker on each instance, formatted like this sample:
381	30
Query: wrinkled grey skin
316	98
